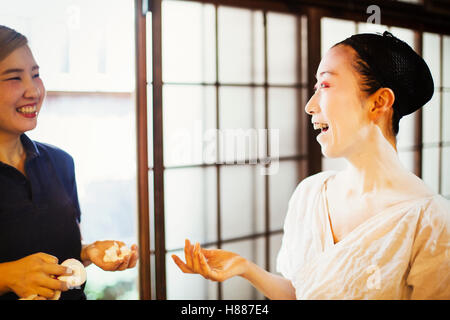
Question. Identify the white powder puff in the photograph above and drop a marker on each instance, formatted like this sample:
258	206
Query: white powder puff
111	253
75	280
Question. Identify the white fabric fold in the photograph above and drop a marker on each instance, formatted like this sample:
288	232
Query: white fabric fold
402	252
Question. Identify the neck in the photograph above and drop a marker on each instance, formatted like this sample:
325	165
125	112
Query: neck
374	165
11	149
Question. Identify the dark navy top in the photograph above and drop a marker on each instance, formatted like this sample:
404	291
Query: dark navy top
40	212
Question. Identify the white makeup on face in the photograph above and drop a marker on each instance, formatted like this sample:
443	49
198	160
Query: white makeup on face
338	103
335	107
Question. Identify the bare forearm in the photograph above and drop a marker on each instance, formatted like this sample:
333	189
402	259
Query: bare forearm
271	285
4	288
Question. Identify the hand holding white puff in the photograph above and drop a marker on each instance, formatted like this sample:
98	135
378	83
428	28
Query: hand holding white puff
111	253
75	280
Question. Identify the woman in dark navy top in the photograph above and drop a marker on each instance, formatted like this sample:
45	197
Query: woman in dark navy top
39	210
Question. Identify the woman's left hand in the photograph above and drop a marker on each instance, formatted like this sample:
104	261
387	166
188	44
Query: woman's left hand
95	253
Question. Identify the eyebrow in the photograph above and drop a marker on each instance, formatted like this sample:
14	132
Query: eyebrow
325	72
17	70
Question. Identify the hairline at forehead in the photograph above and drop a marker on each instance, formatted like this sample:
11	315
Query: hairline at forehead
10	41
11	69
27	48
350	55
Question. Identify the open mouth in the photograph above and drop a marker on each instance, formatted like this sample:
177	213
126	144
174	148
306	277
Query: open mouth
28	111
323	127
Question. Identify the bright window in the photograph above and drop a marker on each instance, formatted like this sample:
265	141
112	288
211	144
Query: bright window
85	50
226	71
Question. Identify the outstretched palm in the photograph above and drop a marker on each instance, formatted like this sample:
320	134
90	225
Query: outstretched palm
216	264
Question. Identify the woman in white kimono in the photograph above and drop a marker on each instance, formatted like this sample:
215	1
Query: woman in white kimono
373	230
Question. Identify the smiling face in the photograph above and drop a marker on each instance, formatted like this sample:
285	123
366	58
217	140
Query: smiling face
21	92
338	106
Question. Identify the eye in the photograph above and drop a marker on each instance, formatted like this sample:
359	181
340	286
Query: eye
14	78
36	76
322	85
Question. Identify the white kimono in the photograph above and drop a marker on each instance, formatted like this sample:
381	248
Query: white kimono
402	252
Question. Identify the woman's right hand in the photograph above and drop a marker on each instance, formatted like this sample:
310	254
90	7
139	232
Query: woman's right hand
35	275
216	265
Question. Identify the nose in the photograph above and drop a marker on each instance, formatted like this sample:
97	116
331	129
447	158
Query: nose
32	90
312	106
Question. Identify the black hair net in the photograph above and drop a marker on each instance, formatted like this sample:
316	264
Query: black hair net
396	66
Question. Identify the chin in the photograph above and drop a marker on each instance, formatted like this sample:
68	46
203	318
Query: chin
29	127
329	152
